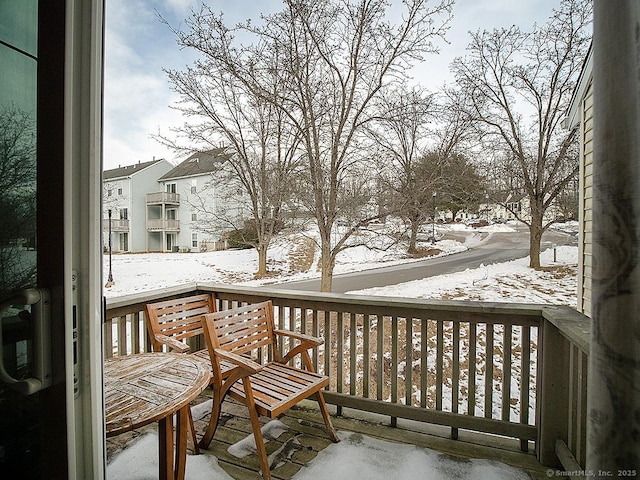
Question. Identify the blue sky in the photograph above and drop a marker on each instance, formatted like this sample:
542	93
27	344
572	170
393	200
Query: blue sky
137	46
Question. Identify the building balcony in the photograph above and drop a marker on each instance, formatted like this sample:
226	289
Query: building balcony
160	198
163	225
506	382
117	225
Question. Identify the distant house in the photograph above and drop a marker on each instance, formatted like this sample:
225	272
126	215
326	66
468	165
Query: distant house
580	115
197	202
124	191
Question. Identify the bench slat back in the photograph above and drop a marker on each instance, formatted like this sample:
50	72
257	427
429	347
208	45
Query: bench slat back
244	329
179	318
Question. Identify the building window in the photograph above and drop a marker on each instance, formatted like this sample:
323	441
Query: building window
194	240
171	188
194	217
124	214
120	191
109	192
193	189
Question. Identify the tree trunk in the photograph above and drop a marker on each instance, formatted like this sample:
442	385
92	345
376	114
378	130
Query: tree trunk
327	262
413	237
262	260
535	236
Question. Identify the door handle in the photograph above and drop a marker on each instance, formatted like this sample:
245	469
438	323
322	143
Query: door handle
39	300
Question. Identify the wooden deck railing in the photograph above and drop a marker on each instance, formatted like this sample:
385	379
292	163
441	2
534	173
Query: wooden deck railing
513	370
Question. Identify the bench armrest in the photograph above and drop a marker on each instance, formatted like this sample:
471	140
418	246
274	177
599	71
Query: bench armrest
243	362
304	338
172	343
307	342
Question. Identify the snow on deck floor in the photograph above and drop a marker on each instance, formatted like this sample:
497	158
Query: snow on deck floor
356	457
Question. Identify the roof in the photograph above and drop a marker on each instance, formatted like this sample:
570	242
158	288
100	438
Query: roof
573	118
199	163
128	170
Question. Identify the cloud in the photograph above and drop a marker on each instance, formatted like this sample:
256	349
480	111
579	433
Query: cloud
138	46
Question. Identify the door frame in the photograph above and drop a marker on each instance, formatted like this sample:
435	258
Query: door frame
83	309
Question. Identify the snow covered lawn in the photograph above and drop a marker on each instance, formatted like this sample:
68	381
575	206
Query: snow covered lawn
514	281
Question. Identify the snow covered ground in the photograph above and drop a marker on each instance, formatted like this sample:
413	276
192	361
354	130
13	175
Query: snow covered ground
508	282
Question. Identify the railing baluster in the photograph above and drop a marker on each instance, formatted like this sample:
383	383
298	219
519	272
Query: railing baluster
581	450
471	386
408	359
340	351
394	365
108	338
353	357
439	363
122	335
135	332
145	333
525	386
303	320
379	357
573	399
488	372
455	374
424	354
506	371
366	354
316	333
328	351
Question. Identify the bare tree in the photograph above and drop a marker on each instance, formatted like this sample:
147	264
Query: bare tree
261	152
400	135
332	58
17	183
519	85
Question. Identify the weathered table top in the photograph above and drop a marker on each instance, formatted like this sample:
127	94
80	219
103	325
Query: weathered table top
144	388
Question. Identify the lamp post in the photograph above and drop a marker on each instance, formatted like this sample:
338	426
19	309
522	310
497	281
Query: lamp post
110	277
433	236
486	205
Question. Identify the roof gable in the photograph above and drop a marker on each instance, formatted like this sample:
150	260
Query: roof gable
199	163
128	170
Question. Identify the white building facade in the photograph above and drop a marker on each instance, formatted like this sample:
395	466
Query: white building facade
159	207
124	195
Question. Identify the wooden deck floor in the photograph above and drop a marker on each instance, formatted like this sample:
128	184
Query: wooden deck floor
305	424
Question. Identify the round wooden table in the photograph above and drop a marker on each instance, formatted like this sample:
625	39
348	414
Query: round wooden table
151	387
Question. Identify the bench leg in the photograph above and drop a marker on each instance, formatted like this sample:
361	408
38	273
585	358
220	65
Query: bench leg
327	419
257	430
180	463
213	421
192	428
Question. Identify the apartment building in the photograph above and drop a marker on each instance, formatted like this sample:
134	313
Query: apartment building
124	194
159	207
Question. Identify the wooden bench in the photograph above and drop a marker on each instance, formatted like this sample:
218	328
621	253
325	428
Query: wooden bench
171	323
269	389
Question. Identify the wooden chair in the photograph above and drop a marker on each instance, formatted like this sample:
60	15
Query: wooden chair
268	389
171	323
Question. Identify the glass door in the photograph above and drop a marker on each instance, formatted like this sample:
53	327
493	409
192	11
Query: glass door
32	390
50	373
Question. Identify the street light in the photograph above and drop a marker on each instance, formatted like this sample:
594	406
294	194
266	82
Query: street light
433	237
486	204
110	277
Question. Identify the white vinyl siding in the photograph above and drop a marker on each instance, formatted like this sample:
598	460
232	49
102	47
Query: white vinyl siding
586	199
